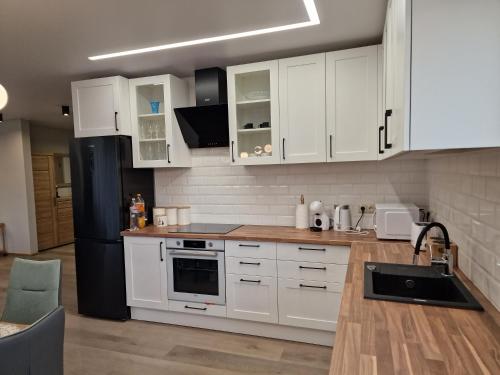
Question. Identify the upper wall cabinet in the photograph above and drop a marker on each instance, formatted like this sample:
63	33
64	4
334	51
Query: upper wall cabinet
254	113
101	107
156	137
453	89
352	91
302	109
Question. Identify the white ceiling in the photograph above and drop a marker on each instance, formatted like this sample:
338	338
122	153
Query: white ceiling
44	45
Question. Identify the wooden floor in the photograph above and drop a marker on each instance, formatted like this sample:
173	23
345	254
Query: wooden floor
94	346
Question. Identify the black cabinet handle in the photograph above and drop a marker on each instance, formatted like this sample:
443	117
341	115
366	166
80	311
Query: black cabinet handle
161	251
380	129
312	268
310	248
245	245
116	121
331	146
312	286
250	281
168	153
232	151
195	308
283	148
250	263
388	113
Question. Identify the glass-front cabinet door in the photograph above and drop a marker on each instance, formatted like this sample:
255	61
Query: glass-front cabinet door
254	113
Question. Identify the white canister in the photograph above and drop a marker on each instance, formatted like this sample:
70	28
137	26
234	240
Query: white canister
183	215
158	211
172	215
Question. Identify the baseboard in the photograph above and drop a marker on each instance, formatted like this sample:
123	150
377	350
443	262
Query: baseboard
275	331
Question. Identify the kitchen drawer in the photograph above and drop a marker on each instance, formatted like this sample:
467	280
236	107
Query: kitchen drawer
309	304
252	298
197	308
329	272
251	266
251	249
313	253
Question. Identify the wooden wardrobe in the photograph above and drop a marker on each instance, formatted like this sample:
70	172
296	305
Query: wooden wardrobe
54	213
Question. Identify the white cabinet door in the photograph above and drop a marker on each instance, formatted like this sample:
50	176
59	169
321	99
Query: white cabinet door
101	107
252	298
309	304
156	137
302	109
146	272
351	104
254	113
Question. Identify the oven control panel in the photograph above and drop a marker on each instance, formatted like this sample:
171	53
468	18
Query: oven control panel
195	244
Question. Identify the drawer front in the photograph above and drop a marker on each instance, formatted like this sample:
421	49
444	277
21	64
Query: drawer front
251	249
252	298
197	308
309	304
251	266
329	272
313	253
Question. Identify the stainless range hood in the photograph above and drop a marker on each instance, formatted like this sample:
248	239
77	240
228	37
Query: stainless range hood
206	124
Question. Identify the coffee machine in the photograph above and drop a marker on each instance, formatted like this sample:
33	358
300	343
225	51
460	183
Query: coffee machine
319	218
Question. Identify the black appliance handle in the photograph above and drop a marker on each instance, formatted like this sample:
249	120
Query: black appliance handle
388	113
232	151
168	153
331	146
116	121
195	308
161	251
312	286
311	248
380	150
250	281
312	268
284	149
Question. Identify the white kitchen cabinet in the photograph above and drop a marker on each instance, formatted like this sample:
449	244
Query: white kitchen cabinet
453	89
352	104
146	272
156	137
309	304
252	298
302	109
101	107
253	111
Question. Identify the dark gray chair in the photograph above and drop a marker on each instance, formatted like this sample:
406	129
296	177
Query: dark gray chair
37	350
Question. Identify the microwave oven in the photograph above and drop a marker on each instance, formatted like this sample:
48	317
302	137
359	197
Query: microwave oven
393	221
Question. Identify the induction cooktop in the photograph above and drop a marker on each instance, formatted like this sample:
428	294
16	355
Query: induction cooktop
203	228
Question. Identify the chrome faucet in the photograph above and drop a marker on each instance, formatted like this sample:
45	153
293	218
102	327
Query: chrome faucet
447	259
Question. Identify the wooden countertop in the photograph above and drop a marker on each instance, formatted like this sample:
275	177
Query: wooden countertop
262	233
382	337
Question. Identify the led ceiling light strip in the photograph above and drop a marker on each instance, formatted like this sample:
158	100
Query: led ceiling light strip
311	12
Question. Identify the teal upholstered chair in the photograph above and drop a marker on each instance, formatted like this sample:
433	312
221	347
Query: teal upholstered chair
34	290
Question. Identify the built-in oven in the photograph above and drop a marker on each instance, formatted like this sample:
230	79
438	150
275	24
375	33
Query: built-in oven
196	271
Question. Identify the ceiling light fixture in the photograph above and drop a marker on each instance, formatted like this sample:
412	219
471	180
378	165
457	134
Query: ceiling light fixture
1	118
311	12
65	110
4	97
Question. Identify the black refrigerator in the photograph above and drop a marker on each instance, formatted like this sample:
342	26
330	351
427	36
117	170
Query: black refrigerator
103	181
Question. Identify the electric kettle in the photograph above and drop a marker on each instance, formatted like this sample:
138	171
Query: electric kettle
342	218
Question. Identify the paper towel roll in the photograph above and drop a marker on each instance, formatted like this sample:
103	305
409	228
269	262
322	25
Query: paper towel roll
301	217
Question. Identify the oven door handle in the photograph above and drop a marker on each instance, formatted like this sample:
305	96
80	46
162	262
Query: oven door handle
194	253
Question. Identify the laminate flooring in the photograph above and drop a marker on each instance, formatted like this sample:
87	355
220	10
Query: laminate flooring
96	346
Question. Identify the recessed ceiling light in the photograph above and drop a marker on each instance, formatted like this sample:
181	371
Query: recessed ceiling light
65	110
311	12
4	97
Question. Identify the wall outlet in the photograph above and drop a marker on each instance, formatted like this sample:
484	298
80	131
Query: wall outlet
369	208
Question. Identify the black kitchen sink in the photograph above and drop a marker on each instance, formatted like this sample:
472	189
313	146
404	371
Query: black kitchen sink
416	284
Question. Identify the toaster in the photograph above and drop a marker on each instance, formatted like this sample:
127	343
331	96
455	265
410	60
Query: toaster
393	221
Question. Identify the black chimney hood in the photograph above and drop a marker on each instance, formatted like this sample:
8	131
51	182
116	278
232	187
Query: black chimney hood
206	125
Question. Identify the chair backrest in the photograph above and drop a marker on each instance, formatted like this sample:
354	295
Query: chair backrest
34	290
37	350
